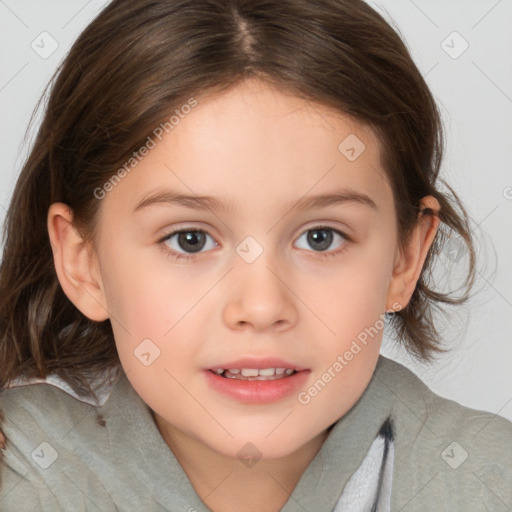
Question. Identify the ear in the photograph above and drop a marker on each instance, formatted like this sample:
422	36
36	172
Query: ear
409	259
76	264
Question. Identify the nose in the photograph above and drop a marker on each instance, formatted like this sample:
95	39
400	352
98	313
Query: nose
259	298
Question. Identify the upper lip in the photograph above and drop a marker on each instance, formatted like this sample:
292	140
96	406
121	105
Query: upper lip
258	364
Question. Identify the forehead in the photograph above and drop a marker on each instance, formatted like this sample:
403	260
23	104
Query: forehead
254	142
255	115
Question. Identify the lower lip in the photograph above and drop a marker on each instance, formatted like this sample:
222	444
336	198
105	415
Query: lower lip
257	391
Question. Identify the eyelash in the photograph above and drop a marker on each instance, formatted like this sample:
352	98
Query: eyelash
188	257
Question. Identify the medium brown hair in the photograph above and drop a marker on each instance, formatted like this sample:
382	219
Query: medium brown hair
135	64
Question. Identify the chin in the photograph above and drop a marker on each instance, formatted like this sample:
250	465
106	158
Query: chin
258	446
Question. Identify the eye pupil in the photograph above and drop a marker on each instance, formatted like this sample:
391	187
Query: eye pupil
320	239
191	241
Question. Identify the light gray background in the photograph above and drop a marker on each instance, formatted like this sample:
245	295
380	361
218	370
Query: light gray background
474	91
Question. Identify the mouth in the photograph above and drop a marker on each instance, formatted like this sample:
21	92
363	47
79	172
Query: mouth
249	374
252	380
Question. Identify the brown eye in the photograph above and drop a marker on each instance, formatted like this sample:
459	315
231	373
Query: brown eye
189	241
321	239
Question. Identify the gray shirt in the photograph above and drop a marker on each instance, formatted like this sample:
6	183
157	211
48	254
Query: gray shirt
63	454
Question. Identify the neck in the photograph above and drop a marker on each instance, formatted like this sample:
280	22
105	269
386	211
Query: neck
227	484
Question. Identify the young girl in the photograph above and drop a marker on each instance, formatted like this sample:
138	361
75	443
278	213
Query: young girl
226	204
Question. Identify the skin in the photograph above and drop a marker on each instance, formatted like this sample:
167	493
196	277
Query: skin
259	151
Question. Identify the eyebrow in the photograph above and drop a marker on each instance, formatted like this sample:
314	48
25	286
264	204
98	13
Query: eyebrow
214	204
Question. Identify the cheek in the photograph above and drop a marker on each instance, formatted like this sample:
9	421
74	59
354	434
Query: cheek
353	308
148	293
149	306
152	317
350	296
350	302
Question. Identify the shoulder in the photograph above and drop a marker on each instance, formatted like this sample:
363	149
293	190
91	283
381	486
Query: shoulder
49	435
445	451
45	412
43	402
64	454
445	415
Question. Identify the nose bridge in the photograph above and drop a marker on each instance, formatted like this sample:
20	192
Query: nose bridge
258	295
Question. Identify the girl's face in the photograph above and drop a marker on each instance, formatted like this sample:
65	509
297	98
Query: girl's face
285	261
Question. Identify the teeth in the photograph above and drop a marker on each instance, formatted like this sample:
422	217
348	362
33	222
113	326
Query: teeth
258	374
263	372
267	372
250	372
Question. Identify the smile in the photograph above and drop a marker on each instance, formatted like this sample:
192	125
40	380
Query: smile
256	381
249	374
